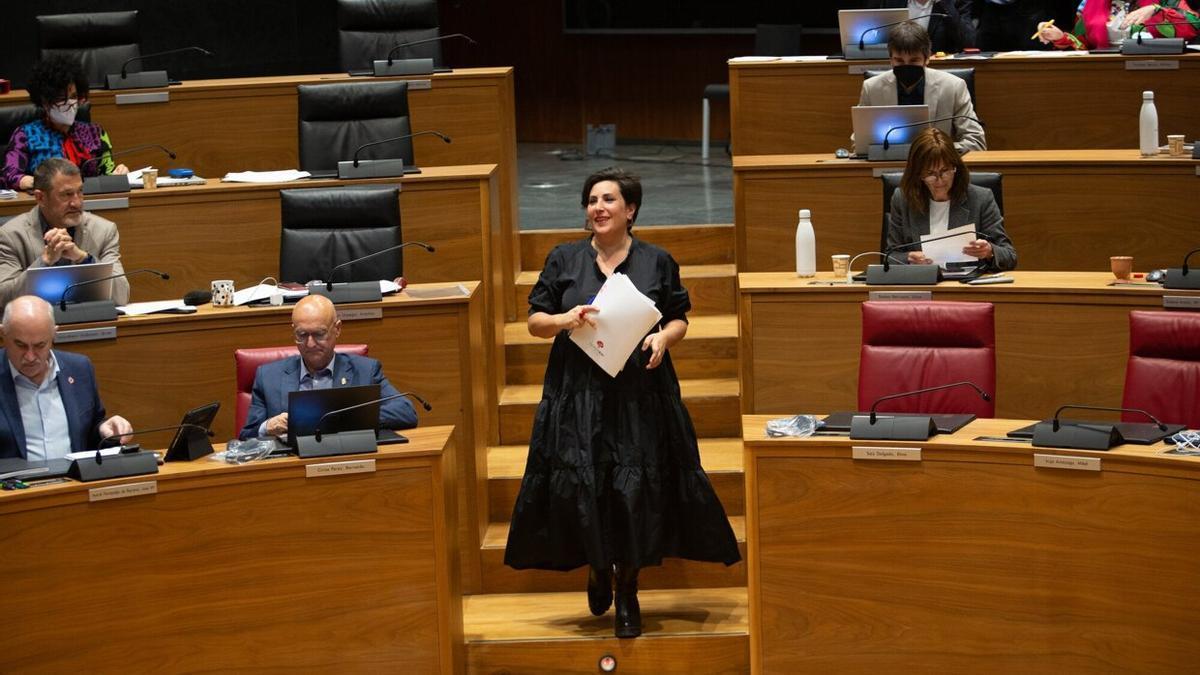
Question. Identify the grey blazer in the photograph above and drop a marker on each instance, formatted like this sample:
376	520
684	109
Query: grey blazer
944	94
906	225
21	247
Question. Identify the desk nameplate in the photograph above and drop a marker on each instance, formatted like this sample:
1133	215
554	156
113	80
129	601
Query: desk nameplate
887	454
101	494
86	334
1181	302
148	97
106	204
862	68
360	314
905	296
1074	463
1152	64
339	468
414	85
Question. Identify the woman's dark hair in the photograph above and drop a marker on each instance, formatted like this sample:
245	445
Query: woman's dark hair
50	77
931	148
629	184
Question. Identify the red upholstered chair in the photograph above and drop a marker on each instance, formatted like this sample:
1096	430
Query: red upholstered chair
248	361
1163	375
913	345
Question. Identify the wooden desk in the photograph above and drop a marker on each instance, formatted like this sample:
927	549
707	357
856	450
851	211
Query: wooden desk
239	124
1027	103
234	568
1064	210
969	560
1061	337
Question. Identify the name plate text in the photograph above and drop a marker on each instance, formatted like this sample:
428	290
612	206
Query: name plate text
1152	64
860	68
1181	302
1066	462
907	296
420	84
86	334
101	494
339	468
890	454
360	314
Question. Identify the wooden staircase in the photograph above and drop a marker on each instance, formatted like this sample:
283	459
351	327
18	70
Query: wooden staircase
694	613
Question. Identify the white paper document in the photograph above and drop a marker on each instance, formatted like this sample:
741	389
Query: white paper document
949	250
284	176
624	318
260	292
157	306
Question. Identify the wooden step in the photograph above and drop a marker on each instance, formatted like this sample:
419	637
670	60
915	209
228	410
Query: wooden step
688	244
712	402
712	288
684	631
720	457
708	350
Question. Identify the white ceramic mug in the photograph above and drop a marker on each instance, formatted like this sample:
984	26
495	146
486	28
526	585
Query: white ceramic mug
222	293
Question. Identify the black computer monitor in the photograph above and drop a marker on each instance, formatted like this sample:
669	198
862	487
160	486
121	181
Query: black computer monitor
305	409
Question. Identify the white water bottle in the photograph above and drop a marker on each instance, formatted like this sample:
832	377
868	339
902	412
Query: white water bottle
806	246
1148	126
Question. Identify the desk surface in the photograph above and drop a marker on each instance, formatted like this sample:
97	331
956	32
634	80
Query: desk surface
229	568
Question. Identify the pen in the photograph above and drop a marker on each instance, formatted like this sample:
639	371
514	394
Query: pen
1041	25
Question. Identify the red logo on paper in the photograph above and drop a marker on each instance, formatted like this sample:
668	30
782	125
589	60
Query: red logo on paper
600	344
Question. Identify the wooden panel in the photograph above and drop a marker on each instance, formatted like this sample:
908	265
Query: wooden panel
688	244
236	568
1060	338
971	560
805	107
846	201
647	655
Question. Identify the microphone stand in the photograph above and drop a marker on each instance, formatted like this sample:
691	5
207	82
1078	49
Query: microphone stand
150	79
1155	45
390	67
1183	278
887	152
109	183
902	427
878	50
1084	435
348	442
358	291
92	311
381	168
909	275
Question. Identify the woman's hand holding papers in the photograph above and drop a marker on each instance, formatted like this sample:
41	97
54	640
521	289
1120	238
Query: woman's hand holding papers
576	317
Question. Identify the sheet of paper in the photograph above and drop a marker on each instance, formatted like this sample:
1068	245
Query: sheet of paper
88	454
265	291
625	317
753	59
949	250
806	58
284	176
142	308
8	194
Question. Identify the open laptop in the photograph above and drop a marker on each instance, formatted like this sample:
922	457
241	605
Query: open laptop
305	409
853	23
871	123
48	283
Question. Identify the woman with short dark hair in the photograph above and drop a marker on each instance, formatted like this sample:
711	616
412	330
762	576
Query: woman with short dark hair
936	195
613	479
58	87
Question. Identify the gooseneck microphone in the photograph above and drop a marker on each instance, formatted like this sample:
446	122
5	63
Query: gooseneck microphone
173	427
62	301
125	151
863	36
332	272
362	147
1184	270
125	65
892	249
1142	32
405	45
979	390
1056	424
339	411
886	144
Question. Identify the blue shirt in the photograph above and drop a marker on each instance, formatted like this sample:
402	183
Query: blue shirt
47	435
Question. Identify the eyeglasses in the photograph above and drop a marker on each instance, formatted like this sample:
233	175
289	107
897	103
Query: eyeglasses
302	337
934	176
65	104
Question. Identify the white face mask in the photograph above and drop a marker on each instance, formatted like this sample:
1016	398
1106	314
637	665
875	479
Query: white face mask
64	117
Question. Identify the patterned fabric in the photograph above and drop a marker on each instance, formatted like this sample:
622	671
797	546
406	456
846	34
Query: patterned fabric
35	142
1166	22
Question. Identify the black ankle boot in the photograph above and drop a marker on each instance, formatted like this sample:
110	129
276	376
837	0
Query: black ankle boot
628	621
600	590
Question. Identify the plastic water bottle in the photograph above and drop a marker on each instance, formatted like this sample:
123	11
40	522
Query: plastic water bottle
1148	126
806	246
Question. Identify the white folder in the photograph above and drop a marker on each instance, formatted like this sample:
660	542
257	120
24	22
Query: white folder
624	318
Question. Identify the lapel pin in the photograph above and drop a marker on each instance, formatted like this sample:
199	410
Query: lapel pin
343	381
70	380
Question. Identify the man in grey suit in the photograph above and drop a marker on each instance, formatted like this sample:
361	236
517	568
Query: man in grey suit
910	82
57	232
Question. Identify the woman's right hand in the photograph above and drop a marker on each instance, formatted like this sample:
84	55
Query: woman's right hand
26	183
918	258
1049	34
576	317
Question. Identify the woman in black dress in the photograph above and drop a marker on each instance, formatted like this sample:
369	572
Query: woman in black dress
613	479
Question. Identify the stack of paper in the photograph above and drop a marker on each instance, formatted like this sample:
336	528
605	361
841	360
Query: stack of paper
157	307
284	176
625	316
949	250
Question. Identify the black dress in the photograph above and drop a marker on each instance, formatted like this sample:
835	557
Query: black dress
613	473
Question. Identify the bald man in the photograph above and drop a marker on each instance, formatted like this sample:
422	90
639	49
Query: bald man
48	398
316	328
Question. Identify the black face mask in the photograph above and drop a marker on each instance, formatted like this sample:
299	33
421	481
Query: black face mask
908	76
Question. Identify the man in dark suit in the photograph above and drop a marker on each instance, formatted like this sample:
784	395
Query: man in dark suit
315	328
49	403
951	34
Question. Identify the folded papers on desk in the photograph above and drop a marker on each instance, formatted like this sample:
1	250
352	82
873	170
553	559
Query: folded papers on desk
156	307
284	176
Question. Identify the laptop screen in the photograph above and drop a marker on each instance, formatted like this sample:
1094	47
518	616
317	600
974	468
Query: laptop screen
305	409
49	283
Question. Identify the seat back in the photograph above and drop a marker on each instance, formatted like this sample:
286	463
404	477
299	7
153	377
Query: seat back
778	39
101	40
325	227
891	183
14	116
965	74
914	345
1163	373
247	361
368	29
335	119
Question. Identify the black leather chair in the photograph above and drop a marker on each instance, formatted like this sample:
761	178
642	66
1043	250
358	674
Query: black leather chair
325	227
101	40
967	74
891	183
368	29
769	40
335	119
14	116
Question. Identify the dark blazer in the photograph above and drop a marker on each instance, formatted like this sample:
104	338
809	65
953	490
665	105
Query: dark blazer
950	35
906	225
275	380
80	397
